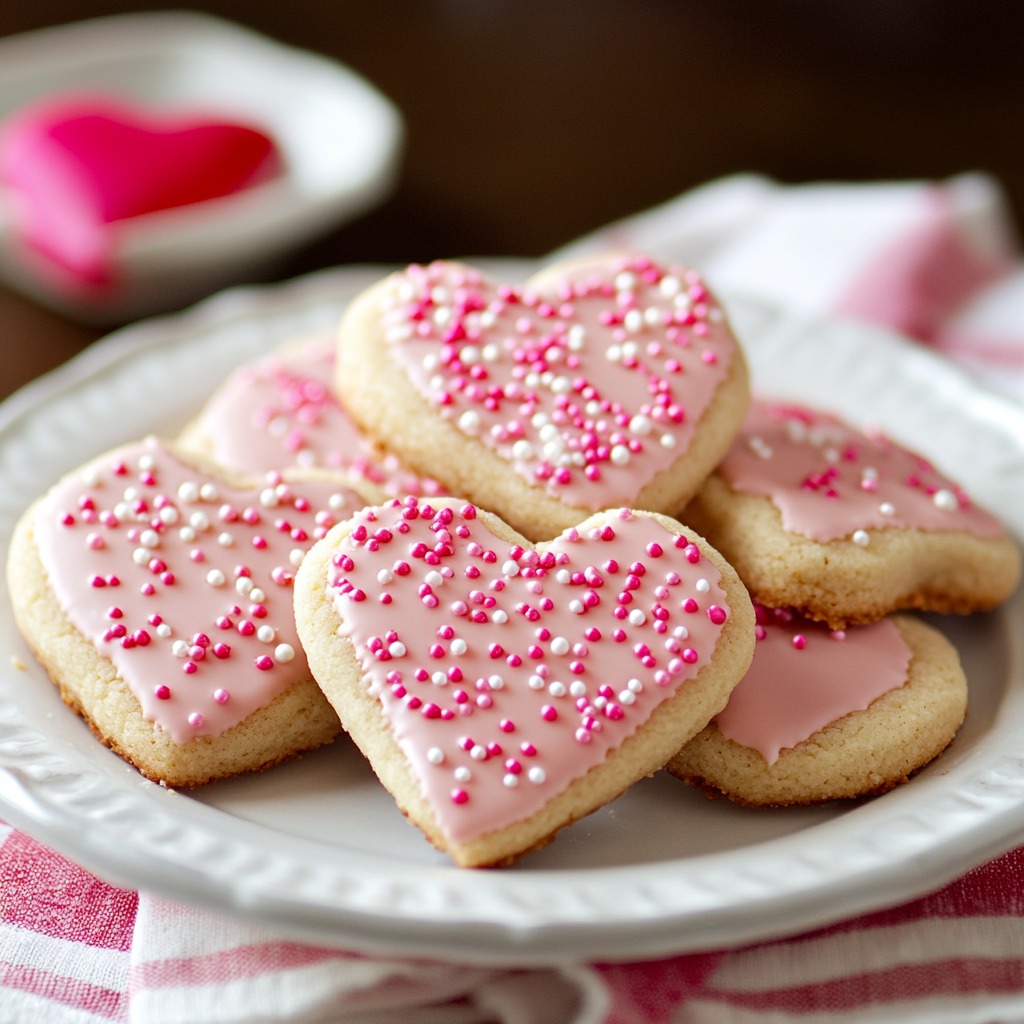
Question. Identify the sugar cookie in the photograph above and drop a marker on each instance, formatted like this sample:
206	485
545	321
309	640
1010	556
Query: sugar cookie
500	691
609	382
822	715
847	527
157	592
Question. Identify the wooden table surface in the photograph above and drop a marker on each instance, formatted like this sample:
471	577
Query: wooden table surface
530	123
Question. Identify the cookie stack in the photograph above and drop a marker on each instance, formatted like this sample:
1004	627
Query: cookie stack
836	533
515	564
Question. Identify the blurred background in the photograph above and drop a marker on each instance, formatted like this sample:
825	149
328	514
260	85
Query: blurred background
532	122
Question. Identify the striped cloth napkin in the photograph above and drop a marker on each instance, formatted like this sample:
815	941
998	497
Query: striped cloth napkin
939	262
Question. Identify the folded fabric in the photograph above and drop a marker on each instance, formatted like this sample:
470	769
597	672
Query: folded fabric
937	261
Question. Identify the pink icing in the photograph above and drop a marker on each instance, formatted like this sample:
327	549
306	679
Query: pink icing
78	164
184	582
505	672
281	411
830	481
804	677
589	385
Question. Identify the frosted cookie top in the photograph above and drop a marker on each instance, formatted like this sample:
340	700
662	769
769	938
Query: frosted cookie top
281	411
805	676
830	481
589	382
507	672
184	581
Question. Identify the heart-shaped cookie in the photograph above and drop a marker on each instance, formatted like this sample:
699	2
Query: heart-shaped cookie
157	592
75	165
500	690
829	715
281	410
609	382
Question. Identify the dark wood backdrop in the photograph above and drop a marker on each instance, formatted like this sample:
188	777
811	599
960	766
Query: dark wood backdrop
532	122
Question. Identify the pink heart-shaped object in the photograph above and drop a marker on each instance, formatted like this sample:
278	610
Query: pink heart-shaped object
76	165
182	578
612	381
503	690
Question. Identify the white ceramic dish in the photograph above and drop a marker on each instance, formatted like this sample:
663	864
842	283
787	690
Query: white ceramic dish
340	140
317	848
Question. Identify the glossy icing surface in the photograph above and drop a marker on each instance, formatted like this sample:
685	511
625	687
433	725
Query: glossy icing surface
589	385
830	481
804	677
281	411
185	582
506	672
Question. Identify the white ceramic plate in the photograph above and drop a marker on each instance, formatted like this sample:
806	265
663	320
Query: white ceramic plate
339	139
319	849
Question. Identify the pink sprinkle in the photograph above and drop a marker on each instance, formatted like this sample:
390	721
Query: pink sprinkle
221	696
195	720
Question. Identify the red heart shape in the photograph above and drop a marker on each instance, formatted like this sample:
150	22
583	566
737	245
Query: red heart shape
518	684
76	165
182	579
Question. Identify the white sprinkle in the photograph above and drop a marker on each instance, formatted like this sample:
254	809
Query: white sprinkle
180	649
243	585
510	780
887	508
469	421
458	646
945	500
284	653
559	645
435	755
385	576
396	649
702	586
225	540
637	617
557	689
433	578
462	774
537	775
510	567
620	455
266	634
216	578
149	539
861	538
